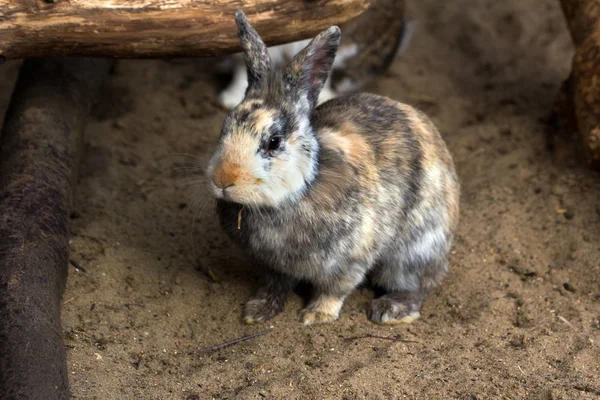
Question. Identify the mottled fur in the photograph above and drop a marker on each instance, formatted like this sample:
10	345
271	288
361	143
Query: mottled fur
361	186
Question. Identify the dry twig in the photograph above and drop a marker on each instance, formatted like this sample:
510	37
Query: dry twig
236	341
396	338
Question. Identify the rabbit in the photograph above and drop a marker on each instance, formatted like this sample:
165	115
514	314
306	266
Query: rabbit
371	42
359	188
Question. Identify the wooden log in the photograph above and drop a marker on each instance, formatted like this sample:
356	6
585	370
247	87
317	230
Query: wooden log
158	28
39	149
580	97
580	18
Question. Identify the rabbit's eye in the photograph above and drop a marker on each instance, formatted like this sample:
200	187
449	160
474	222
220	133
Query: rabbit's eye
274	143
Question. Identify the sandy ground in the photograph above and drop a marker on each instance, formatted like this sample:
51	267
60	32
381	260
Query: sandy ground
517	318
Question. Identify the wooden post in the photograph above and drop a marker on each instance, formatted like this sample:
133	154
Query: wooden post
40	145
580	97
158	28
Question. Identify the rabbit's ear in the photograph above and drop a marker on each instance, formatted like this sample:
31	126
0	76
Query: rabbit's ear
308	71
256	53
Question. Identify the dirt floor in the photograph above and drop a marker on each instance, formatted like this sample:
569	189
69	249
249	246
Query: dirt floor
517	318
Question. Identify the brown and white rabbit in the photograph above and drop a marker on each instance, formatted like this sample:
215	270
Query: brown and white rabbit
370	43
359	187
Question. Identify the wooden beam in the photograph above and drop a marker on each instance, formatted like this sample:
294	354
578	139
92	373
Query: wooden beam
158	28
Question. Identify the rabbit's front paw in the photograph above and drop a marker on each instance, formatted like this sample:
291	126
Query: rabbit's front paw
390	310
324	309
260	310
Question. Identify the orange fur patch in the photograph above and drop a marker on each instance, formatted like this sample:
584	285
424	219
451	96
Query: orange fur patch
231	168
227	174
355	149
263	118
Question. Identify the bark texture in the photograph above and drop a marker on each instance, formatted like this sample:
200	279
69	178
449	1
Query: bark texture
580	97
158	28
40	146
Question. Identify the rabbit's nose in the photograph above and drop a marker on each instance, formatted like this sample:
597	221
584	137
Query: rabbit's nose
222	184
226	175
224	181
